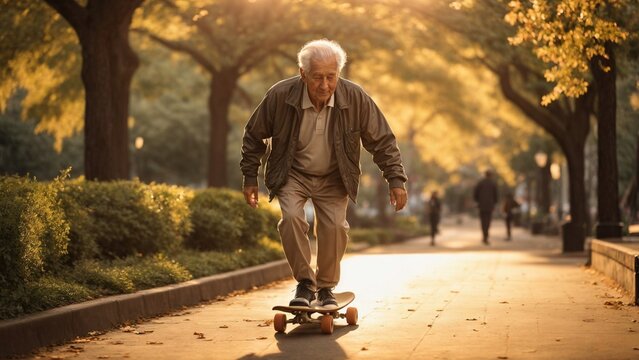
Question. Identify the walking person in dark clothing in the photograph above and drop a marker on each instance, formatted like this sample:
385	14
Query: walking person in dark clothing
434	215
485	196
510	204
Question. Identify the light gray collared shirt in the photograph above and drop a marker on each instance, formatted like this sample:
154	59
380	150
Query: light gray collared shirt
315	155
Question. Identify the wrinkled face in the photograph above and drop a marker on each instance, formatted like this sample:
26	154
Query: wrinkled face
321	80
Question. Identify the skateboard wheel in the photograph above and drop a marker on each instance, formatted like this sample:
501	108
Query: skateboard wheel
326	324
279	323
351	316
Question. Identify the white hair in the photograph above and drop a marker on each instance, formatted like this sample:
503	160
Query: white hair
320	50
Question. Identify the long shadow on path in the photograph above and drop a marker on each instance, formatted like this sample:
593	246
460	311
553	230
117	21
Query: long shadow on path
295	343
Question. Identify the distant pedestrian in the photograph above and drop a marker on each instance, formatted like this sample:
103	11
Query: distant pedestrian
485	196
434	215
510	204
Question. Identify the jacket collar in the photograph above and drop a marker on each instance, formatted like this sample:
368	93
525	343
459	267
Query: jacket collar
294	97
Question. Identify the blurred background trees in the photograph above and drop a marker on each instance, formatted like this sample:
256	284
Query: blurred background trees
459	94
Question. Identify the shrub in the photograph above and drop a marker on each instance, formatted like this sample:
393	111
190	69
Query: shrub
155	271
207	263
44	293
368	236
33	231
222	221
107	280
123	218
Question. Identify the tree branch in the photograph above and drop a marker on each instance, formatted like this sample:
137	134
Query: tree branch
72	12
548	123
202	26
180	47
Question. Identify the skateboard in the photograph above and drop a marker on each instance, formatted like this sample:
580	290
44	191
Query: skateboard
303	314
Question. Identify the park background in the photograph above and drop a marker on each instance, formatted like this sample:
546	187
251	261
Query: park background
157	92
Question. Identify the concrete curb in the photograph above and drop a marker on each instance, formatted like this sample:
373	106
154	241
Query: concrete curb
19	336
620	262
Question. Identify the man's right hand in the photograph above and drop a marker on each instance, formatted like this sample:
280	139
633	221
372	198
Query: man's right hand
250	195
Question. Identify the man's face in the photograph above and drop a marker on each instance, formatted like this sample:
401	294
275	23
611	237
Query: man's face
321	80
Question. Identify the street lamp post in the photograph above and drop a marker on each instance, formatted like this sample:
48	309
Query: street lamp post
555	173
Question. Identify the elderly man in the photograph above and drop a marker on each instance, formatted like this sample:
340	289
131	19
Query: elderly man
314	124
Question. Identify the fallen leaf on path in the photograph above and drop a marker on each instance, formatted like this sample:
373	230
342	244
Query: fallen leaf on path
557	340
103	357
430	325
502	357
181	313
503	302
262	338
266	323
364	348
631	330
483	323
475	330
588	320
411	309
81	341
224	326
127	329
96	333
116	343
199	335
142	332
439	310
636	348
471	319
614	303
154	343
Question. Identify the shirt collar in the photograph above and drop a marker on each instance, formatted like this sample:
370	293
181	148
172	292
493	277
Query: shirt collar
306	100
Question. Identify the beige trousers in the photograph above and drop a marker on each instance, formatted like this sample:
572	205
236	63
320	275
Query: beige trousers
331	228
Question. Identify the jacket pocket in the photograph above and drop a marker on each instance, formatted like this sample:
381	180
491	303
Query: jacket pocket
352	142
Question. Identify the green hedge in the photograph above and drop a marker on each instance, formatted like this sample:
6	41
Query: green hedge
124	218
223	222
404	227
33	230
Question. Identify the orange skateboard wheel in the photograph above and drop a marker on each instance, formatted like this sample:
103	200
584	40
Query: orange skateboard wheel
326	324
351	316
279	322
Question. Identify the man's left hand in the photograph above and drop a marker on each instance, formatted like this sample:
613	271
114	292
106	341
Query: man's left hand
398	197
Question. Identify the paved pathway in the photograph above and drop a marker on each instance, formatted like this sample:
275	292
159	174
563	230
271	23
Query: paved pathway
458	300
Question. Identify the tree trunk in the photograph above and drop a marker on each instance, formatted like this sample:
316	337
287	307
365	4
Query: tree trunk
569	129
223	84
544	189
577	198
108	65
609	217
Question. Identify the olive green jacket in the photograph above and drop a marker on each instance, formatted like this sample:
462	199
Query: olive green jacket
276	123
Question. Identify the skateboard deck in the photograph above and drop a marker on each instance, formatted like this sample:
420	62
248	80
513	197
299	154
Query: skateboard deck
302	314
